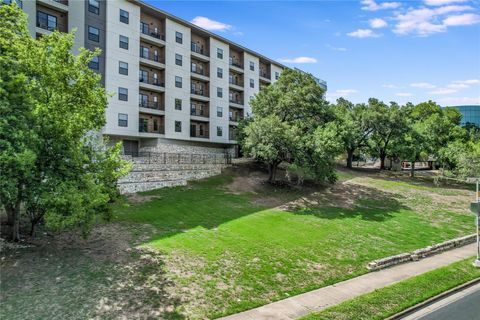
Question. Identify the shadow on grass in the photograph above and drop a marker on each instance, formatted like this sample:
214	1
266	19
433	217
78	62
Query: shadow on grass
349	201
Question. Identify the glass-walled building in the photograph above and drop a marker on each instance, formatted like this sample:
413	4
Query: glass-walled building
470	114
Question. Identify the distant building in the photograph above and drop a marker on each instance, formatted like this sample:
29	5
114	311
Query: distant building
470	114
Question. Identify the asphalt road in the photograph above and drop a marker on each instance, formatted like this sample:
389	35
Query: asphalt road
462	306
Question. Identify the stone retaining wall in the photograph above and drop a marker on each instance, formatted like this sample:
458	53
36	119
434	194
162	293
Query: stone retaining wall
421	253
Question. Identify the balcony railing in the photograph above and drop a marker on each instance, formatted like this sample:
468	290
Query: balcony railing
235	82
237	101
199	91
264	74
235	117
146	127
152	80
199	111
196	132
43	23
65	2
232	135
152	57
198	49
200	71
151	105
145	29
235	63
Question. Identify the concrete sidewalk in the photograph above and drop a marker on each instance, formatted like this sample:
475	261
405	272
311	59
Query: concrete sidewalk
303	304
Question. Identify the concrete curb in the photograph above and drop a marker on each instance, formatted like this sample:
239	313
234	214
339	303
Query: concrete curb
421	253
432	300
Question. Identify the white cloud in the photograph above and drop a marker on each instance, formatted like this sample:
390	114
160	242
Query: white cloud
364	33
456	101
208	24
391	86
298	60
425	21
403	94
346	91
442	2
422	85
378	23
371	5
468	82
442	91
332	96
462	19
335	48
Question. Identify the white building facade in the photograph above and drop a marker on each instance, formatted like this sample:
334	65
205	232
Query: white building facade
176	87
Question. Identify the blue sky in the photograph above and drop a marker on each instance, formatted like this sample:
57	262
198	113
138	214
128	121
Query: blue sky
395	51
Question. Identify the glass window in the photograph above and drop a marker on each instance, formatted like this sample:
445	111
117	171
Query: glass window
122	120
219	112
93	34
143	75
178	126
178	81
252	65
178	59
122	94
123	42
124	16
178	37
143	52
219	53
144	28
220	73
178	104
93	6
94	63
252	83
219	131
46	21
276	75
123	68
219	92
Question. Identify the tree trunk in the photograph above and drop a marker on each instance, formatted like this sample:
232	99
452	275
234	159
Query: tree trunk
412	169
349	158
272	171
13	213
382	161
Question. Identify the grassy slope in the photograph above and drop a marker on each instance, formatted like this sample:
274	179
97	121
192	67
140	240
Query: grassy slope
390	300
231	254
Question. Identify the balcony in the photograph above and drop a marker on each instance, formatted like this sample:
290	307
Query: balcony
235	82
199	71
152	34
57	5
48	25
147	127
232	133
235	117
264	76
153	60
199	92
199	131
154	105
236	101
235	63
199	110
152	84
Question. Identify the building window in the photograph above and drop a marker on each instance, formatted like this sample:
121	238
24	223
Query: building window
46	21
276	75
178	37
123	42
219	112
219	53
178	81
219	131
122	120
178	126
94	63
93	34
178	59
178	104
123	68
220	73
219	93
124	16
122	94
252	83
93	6
252	65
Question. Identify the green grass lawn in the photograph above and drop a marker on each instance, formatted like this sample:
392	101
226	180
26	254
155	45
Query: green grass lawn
229	252
390	300
227	244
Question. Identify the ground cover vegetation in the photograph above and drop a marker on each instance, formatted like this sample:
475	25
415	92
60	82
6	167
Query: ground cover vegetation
385	302
53	166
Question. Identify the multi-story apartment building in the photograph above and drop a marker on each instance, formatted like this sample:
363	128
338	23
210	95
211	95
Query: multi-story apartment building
177	87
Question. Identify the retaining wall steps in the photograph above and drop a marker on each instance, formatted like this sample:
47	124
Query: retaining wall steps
146	186
168	167
167	175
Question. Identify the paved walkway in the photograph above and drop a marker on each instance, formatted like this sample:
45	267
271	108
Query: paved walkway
303	304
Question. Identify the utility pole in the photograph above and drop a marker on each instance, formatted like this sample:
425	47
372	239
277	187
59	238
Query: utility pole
475	207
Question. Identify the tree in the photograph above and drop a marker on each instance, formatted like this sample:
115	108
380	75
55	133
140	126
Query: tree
356	124
66	174
290	118
388	122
